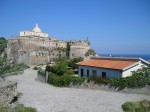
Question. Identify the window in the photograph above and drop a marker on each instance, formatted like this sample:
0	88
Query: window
87	73
82	72
94	73
103	74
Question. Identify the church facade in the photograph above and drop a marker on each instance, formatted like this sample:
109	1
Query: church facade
36	47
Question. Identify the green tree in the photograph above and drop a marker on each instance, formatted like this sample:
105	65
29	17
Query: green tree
72	62
61	67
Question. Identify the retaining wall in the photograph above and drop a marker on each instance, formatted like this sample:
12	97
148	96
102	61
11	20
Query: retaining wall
7	92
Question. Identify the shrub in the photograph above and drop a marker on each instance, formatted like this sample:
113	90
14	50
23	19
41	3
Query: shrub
37	68
19	108
64	80
69	72
142	106
135	81
72	62
59	68
17	67
98	80
90	52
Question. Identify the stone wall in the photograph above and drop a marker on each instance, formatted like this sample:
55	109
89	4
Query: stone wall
7	91
79	49
35	50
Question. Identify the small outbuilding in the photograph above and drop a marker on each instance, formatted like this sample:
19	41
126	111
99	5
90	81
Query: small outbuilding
110	67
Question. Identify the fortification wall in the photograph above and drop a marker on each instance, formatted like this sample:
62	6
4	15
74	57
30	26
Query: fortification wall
79	48
33	51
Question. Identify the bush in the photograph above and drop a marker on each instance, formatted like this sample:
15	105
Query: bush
9	69
139	79
59	68
64	80
135	81
142	106
90	52
98	80
19	108
72	62
37	68
69	72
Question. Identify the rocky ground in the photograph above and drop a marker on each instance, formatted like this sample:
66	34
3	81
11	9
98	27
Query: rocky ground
46	98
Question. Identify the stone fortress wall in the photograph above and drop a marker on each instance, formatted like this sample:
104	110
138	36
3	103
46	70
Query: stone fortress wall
79	48
32	49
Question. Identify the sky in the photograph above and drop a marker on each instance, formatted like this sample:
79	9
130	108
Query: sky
112	26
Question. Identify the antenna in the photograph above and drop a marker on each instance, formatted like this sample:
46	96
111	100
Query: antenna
87	38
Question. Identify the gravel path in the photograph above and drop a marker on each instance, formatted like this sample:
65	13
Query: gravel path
46	98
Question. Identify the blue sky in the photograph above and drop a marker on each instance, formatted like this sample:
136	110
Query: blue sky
112	26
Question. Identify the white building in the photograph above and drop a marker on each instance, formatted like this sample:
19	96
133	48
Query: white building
110	67
35	32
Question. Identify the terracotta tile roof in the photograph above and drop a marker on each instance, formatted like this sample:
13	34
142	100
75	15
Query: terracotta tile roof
118	64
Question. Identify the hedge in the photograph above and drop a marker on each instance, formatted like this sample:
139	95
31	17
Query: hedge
64	80
135	81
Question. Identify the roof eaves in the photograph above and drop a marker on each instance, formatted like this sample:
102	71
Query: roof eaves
144	61
130	66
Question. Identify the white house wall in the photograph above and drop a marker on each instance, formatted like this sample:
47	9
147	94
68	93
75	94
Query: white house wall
109	72
29	33
129	71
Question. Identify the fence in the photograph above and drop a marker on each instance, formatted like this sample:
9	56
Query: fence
42	76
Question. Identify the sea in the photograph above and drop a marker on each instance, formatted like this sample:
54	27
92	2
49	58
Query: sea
143	56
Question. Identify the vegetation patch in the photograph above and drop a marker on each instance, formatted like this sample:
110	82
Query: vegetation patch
3	44
69	72
60	76
64	80
37	68
72	62
98	81
132	82
60	67
139	79
142	106
15	68
90	52
18	108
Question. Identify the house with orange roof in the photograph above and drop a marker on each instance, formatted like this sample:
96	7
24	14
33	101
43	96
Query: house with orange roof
110	67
